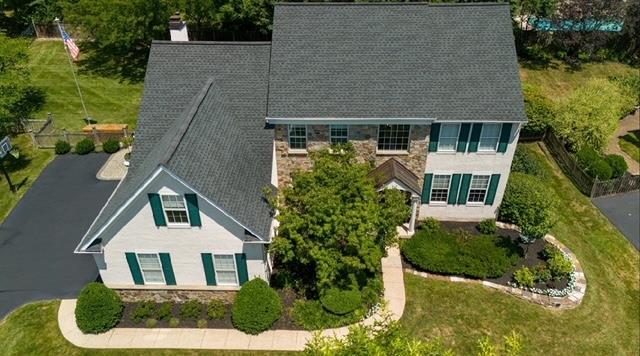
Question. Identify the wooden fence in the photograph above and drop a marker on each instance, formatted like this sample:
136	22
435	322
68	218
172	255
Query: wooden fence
44	134
624	184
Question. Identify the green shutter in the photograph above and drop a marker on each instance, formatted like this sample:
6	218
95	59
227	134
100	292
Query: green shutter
504	137
167	269
453	189
426	188
462	138
475	137
134	268
241	264
493	187
156	208
433	137
192	207
464	189
209	270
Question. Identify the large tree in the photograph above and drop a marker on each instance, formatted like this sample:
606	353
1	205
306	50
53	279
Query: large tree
334	225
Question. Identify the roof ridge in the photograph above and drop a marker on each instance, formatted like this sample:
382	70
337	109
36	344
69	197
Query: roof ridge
231	43
184	125
390	4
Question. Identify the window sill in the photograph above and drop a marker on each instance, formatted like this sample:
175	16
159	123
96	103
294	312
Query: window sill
479	204
178	226
391	153
299	152
487	153
446	152
438	204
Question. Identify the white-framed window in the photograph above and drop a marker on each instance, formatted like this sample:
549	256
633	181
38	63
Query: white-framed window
175	209
151	268
393	137
440	188
489	137
298	137
448	140
338	134
478	188
225	267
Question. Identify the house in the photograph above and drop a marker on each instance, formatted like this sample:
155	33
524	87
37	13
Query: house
430	93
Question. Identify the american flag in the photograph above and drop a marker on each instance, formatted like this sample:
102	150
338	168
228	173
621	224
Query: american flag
68	41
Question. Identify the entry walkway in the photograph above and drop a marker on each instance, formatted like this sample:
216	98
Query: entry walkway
227	339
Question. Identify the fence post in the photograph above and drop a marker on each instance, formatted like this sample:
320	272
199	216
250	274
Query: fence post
50	119
66	135
96	138
33	138
593	187
125	133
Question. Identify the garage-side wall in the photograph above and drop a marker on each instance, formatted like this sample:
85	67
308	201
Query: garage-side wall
135	231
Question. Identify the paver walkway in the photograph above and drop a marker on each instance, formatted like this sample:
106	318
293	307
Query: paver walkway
114	168
629	123
227	339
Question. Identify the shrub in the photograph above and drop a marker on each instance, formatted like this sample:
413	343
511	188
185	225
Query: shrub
163	311
542	273
111	146
151	323
559	266
341	302
487	226
62	147
594	164
191	309
526	162
539	110
215	309
525	277
85	146
530	204
431	224
144	309
312	316
202	323
477	257
98	308
372	291
251	316
618	165
550	251
174	322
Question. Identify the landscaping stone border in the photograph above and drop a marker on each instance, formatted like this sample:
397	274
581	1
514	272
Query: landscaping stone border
570	301
228	339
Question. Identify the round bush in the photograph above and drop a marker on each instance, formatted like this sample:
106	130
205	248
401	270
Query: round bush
560	266
256	308
143	310
215	309
525	277
191	309
163	311
340	301
618	165
85	146
487	226
62	147
595	166
111	146
98	309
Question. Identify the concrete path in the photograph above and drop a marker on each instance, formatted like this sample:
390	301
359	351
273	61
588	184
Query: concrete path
629	123
114	168
227	339
38	237
623	210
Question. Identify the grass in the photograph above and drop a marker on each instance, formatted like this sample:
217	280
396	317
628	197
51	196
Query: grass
630	144
22	172
558	79
108	100
607	321
33	330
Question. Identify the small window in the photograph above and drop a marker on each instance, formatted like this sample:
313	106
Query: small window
225	266
175	209
297	137
478	189
151	268
489	137
448	140
393	137
440	188
338	134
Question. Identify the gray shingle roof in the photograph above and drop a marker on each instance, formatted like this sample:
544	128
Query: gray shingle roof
205	102
417	60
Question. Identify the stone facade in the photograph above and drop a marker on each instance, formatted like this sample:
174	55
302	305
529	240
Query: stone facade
178	296
364	139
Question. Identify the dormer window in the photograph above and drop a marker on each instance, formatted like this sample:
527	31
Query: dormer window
393	137
175	209
297	137
448	140
489	137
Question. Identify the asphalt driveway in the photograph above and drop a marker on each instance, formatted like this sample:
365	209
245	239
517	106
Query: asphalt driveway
38	237
623	210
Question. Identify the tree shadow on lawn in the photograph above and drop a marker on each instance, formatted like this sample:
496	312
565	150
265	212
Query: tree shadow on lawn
127	67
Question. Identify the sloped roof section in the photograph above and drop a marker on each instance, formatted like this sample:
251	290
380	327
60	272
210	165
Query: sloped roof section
449	62
392	169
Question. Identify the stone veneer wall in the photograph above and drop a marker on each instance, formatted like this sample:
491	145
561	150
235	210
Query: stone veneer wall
364	139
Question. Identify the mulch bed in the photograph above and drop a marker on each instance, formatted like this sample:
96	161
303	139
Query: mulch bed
285	322
532	258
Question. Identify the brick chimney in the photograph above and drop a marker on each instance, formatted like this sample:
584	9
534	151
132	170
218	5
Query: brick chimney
178	28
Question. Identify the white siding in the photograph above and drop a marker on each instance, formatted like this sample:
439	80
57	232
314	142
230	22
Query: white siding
475	163
135	231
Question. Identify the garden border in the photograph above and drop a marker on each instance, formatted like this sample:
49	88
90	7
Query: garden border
229	339
570	301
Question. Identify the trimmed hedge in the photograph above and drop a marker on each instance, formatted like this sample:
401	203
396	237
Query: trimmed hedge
256	307
311	315
111	146
439	251
215	309
526	162
191	309
487	226
618	165
98	309
85	146
62	147
594	164
341	302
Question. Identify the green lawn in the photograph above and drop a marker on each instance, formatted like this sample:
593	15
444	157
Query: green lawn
630	144
107	99
606	323
558	79
23	172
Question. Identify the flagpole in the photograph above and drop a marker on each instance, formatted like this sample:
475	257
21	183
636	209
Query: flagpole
75	78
